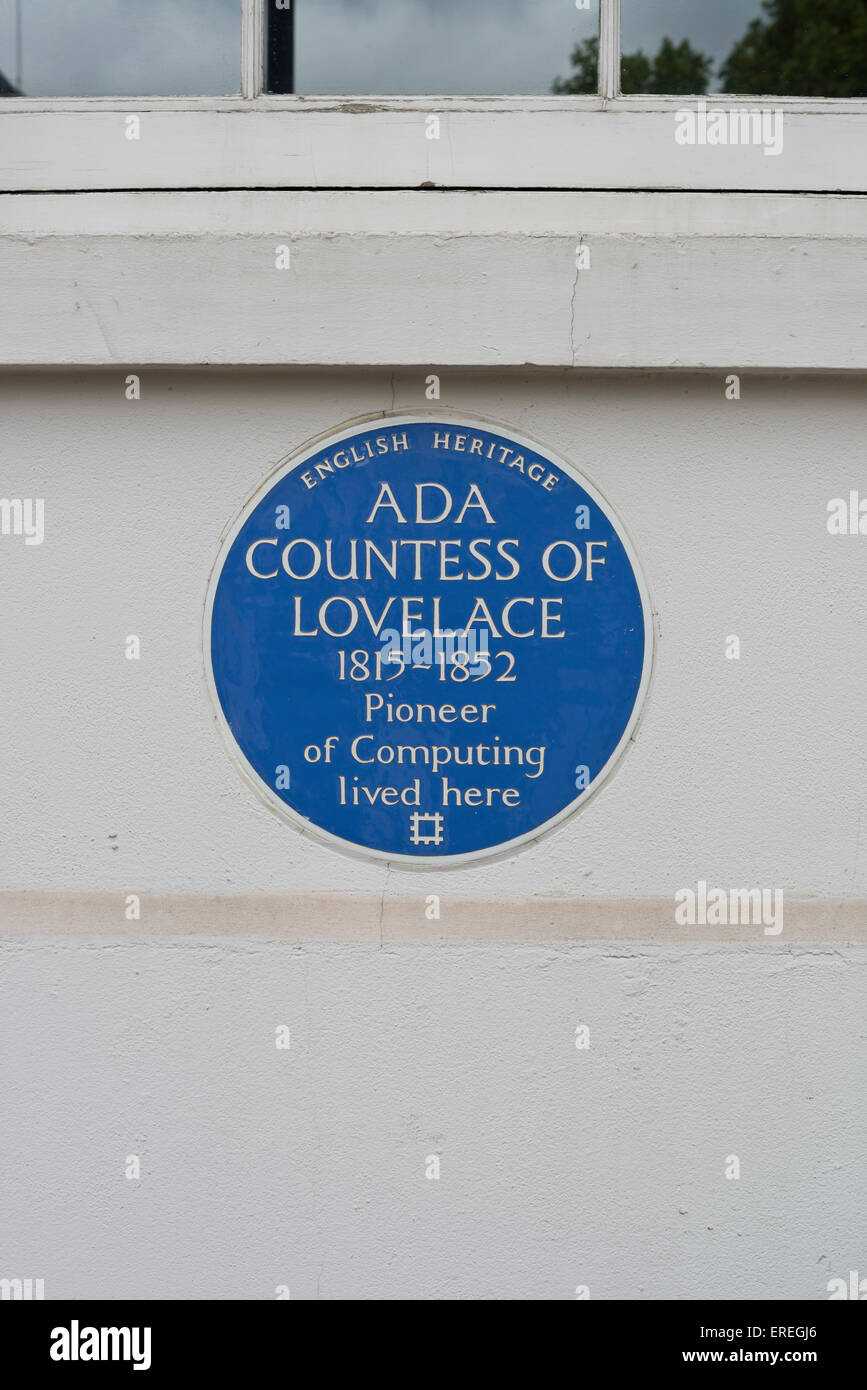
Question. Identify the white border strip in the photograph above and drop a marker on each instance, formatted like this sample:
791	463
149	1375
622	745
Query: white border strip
508	216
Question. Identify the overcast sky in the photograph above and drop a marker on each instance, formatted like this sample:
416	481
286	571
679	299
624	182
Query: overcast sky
188	47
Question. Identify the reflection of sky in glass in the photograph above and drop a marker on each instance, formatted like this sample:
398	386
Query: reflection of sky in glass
461	46
191	47
711	27
124	47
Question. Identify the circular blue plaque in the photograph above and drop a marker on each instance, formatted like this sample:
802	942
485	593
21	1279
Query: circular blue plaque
427	639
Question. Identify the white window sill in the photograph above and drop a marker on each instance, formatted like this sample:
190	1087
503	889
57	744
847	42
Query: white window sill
381	142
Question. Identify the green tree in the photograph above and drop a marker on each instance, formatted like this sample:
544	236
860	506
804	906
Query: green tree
585	79
802	48
677	69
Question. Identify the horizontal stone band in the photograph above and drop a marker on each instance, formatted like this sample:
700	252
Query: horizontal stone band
411	918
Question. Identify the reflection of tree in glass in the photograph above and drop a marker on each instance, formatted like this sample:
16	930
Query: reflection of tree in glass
797	48
677	68
801	48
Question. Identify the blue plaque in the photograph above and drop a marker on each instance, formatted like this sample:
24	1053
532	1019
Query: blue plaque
427	639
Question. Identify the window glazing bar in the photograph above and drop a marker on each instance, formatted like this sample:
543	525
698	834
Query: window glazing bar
252	48
609	49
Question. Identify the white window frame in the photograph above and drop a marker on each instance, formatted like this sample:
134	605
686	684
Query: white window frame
258	140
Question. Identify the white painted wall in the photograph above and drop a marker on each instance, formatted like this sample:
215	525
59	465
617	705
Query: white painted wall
306	1167
741	771
559	1167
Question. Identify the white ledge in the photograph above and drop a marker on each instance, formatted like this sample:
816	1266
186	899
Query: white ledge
330	142
718	281
433	213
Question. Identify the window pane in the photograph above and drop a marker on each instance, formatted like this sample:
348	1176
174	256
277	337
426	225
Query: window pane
810	48
65	48
386	47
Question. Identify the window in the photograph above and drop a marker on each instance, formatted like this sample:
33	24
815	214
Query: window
463	47
87	48
91	48
527	94
809	48
96	48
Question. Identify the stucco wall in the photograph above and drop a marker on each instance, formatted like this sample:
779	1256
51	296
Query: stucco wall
559	1167
742	771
